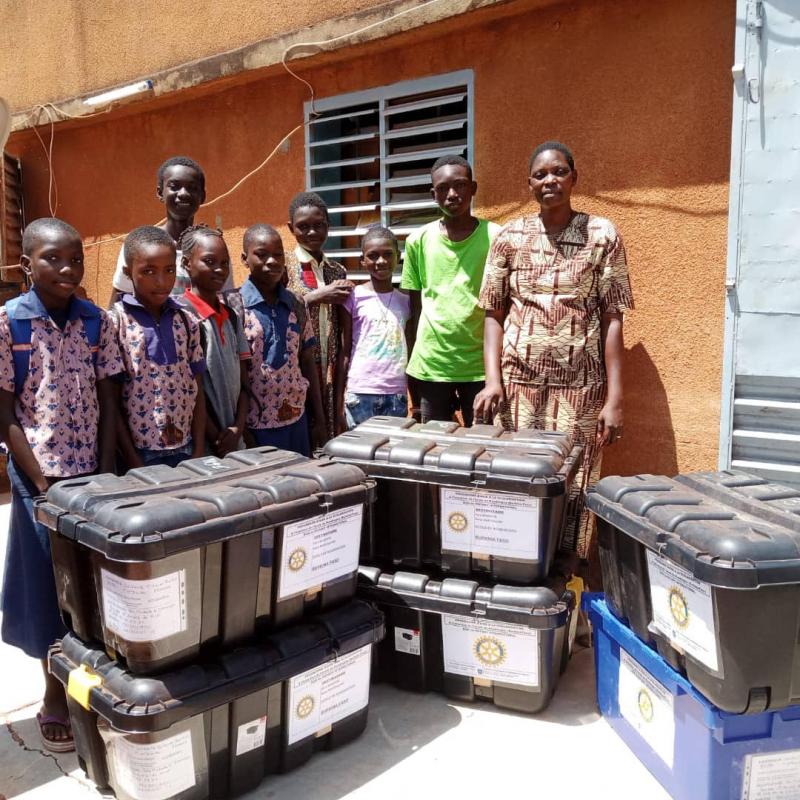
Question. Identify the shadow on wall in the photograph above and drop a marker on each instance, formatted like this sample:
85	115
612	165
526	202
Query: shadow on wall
648	445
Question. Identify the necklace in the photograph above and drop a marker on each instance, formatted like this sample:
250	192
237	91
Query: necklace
383	321
385	334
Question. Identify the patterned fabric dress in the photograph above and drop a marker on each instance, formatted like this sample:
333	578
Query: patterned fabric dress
300	268
554	291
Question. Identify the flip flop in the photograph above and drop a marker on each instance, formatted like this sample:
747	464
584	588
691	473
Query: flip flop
55	745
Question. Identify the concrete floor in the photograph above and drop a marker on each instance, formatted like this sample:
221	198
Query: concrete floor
415	746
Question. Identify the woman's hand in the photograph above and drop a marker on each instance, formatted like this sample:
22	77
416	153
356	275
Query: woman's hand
487	401
609	424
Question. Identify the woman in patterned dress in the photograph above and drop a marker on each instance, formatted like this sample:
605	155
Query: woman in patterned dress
322	283
555	290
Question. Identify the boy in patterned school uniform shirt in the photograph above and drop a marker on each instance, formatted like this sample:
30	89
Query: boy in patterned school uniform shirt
283	379
162	396
58	355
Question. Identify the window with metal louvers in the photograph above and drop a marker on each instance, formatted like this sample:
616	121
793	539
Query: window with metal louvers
369	154
12	279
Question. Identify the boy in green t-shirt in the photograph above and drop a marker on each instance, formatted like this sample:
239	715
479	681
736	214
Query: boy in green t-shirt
443	271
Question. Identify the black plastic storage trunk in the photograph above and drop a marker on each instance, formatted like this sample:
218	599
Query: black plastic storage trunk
751	494
503	644
716	588
466	501
215	729
165	562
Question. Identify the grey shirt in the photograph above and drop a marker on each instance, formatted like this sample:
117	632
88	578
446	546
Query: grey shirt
224	354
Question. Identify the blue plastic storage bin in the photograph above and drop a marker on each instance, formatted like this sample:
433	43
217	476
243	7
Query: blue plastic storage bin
696	751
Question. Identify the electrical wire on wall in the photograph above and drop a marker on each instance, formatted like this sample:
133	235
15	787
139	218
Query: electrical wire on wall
52	111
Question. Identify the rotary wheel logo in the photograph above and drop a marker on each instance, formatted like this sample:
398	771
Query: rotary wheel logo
678	607
305	707
490	651
297	559
645	703
457	522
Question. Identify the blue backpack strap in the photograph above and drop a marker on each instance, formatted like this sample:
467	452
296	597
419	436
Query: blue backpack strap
92	320
20	343
21	337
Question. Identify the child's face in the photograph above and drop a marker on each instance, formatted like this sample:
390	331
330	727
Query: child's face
181	192
152	274
265	259
209	264
453	190
310	228
55	265
380	258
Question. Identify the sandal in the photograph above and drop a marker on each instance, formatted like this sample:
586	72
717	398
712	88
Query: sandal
55	745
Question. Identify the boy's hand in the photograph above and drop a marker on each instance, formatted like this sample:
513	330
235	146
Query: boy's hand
319	434
335	293
228	441
340	419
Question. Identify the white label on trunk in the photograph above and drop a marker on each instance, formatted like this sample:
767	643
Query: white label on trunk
146	610
406	640
772	776
494	523
154	771
495	651
330	692
320	549
251	735
683	609
647	705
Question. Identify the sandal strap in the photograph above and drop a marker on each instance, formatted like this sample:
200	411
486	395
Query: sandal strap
52	719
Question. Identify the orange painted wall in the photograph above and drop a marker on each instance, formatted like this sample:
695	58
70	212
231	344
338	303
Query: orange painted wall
87	46
640	91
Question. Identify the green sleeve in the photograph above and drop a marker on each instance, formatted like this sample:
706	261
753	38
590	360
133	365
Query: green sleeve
411	278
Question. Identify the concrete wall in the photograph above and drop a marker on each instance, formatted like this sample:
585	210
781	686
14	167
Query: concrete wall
640	91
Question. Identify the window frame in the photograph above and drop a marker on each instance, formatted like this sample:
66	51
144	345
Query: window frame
382	95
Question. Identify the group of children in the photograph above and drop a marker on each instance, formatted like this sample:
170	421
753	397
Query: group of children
182	366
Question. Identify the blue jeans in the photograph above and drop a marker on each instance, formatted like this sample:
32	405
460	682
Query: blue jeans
170	458
360	407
